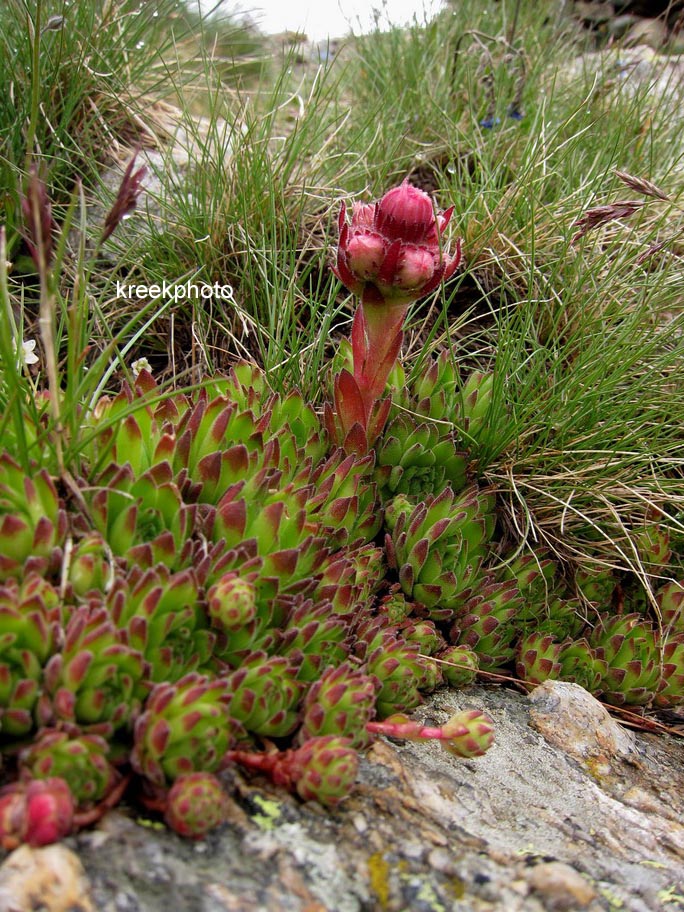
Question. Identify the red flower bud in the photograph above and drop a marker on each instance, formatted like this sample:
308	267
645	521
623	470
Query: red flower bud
37	812
49	811
405	214
391	254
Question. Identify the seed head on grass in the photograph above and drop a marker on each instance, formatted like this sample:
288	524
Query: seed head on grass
126	199
642	185
601	215
39	226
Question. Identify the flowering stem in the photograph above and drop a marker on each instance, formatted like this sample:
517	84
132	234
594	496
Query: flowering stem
377	336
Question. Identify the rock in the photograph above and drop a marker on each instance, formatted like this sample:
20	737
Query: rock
561	887
626	71
49	879
620	25
570	718
651	32
567	811
593	13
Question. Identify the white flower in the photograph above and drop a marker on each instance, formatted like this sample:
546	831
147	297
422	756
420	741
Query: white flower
142	364
27	352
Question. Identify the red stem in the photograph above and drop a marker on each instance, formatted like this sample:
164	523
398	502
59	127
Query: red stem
85	818
411	731
376	339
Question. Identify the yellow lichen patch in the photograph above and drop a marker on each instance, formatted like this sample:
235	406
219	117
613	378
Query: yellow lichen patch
270	812
379	871
456	887
426	894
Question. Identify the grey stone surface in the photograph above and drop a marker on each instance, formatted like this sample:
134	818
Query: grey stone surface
568	811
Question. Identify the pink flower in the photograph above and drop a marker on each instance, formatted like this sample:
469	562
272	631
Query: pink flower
392	253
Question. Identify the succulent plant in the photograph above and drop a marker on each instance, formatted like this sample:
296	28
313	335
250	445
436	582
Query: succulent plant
459	665
392	253
314	638
534	575
581	665
243	429
438	547
132	429
341	702
220	583
418	459
216	445
32	522
275	523
142	515
196	804
81	762
231	602
298	431
324	769
234	647
245	383
652	541
487	622
670	600
440	394
264	695
627	645
562	617
160	615
30	633
469	733
395	606
96	682
435	389
344	500
422	634
596	585
538	658
90	568
475	400
429	675
395	664
184	728
348	579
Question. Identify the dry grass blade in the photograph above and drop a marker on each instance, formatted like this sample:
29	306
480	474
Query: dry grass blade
641	185
601	215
